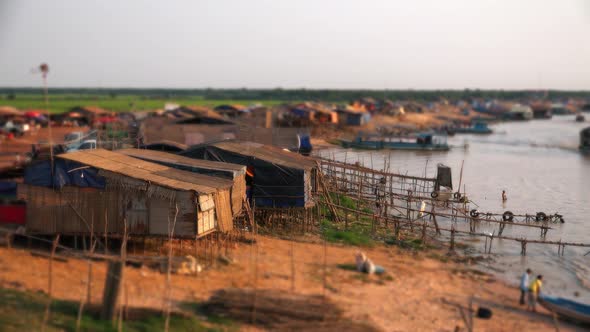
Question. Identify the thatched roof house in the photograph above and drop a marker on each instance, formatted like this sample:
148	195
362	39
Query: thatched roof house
187	125
100	191
233	172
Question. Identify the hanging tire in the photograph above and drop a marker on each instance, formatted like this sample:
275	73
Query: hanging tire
508	216
434	194
541	216
457	195
560	218
474	213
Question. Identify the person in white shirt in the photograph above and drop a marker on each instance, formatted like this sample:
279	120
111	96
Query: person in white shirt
524	285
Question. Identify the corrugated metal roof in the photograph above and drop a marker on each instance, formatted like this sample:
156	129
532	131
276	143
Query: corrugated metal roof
146	171
269	153
152	155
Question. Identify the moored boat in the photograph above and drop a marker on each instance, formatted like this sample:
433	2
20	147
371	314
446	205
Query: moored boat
422	141
477	128
566	308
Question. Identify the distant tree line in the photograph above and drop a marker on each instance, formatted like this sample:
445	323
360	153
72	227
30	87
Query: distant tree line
297	94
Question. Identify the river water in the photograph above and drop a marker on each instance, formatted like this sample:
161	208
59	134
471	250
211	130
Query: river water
538	165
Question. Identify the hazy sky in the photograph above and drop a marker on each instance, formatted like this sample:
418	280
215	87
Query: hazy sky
373	44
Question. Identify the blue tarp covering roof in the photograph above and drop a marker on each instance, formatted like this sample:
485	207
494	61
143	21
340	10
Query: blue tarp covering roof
65	173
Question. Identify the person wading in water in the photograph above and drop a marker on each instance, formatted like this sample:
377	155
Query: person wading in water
504	196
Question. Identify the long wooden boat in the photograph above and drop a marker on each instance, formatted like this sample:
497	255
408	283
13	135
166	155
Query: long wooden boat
419	142
566	308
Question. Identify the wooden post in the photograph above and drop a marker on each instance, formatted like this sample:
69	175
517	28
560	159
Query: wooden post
325	267
88	287
50	283
111	290
435	222
292	252
501	229
358	202
106	231
169	269
268	119
122	275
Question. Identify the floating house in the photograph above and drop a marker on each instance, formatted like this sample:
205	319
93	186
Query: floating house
353	115
233	172
278	178
560	109
519	112
187	125
104	192
541	111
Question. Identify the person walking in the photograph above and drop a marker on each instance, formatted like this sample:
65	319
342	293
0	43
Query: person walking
524	285
534	292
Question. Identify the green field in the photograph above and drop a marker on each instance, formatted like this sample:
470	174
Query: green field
24	311
59	103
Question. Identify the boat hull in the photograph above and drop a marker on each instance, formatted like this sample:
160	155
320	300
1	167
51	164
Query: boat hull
415	146
472	131
566	308
377	145
362	145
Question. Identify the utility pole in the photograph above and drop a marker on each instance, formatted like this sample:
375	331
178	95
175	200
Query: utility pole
44	68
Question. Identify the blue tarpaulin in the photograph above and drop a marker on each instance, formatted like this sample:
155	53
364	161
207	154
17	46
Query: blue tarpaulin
300	112
65	173
8	189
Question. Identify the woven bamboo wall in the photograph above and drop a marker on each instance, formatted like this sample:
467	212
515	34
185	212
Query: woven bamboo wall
81	211
71	211
223	211
238	193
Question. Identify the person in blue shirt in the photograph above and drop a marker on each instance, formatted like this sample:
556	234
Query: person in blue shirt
524	285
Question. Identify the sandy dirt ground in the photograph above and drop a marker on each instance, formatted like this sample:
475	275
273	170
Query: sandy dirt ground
418	293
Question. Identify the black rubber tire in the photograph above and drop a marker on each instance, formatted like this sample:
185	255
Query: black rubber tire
474	213
541	216
434	194
484	313
457	195
508	216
